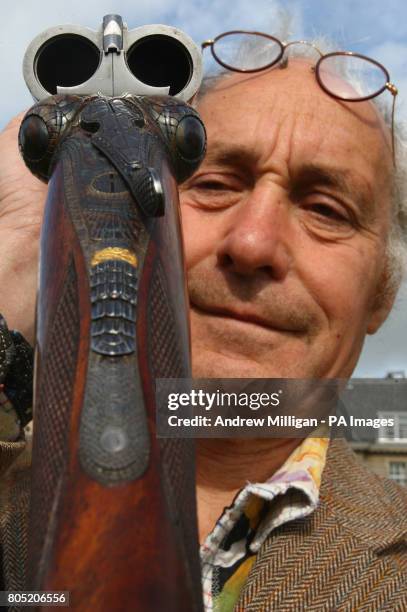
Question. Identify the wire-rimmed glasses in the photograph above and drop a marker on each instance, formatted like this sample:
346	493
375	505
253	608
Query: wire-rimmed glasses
344	75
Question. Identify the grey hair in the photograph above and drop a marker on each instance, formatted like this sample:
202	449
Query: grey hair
396	248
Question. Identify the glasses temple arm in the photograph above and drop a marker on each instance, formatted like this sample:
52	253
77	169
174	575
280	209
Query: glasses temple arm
394	91
206	43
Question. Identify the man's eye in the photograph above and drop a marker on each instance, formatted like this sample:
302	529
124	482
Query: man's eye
328	219
328	213
211	185
212	191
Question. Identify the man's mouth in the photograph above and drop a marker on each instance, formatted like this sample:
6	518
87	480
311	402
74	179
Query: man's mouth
247	317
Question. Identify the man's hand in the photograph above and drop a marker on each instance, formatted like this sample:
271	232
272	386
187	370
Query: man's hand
22	199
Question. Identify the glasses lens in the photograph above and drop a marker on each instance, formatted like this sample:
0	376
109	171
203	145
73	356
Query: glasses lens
351	77
247	51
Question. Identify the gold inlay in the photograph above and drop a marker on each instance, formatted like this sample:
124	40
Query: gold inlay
114	253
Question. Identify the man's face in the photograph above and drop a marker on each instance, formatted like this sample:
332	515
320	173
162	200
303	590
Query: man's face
285	227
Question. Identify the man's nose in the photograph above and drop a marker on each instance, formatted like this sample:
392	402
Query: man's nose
257	235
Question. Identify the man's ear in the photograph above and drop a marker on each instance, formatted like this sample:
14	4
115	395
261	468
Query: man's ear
383	302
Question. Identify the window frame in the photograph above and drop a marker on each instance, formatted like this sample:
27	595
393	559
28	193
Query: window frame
397	416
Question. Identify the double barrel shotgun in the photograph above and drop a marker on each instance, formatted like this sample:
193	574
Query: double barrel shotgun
113	512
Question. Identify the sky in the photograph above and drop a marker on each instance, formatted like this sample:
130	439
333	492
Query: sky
372	27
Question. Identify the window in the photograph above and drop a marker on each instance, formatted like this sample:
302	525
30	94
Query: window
398	472
396	432
396	375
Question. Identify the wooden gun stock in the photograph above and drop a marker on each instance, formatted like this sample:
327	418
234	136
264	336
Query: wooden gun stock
113	514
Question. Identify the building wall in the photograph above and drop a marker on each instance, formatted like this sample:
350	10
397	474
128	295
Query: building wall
379	462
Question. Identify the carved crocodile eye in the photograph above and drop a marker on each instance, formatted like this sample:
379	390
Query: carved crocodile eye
189	146
34	138
190	138
41	130
182	130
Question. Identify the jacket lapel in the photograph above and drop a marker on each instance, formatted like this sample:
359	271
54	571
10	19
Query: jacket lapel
334	556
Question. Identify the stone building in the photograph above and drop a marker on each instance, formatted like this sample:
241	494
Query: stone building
382	447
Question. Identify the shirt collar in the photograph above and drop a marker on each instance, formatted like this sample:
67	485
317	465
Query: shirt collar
292	493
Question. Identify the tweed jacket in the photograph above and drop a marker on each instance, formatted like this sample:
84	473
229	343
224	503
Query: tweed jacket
349	555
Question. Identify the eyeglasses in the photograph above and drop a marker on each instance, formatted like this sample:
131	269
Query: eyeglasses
343	74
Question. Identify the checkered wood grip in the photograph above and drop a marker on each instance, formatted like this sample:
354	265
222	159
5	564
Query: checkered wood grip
169	359
52	421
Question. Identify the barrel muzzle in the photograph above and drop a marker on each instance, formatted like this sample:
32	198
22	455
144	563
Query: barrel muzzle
113	61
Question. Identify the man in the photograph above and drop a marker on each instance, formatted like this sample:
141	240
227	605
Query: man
286	227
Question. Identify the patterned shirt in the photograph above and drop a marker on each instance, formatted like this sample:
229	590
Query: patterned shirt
230	549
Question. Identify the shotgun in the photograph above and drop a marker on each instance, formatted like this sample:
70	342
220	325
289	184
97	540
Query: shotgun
113	512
